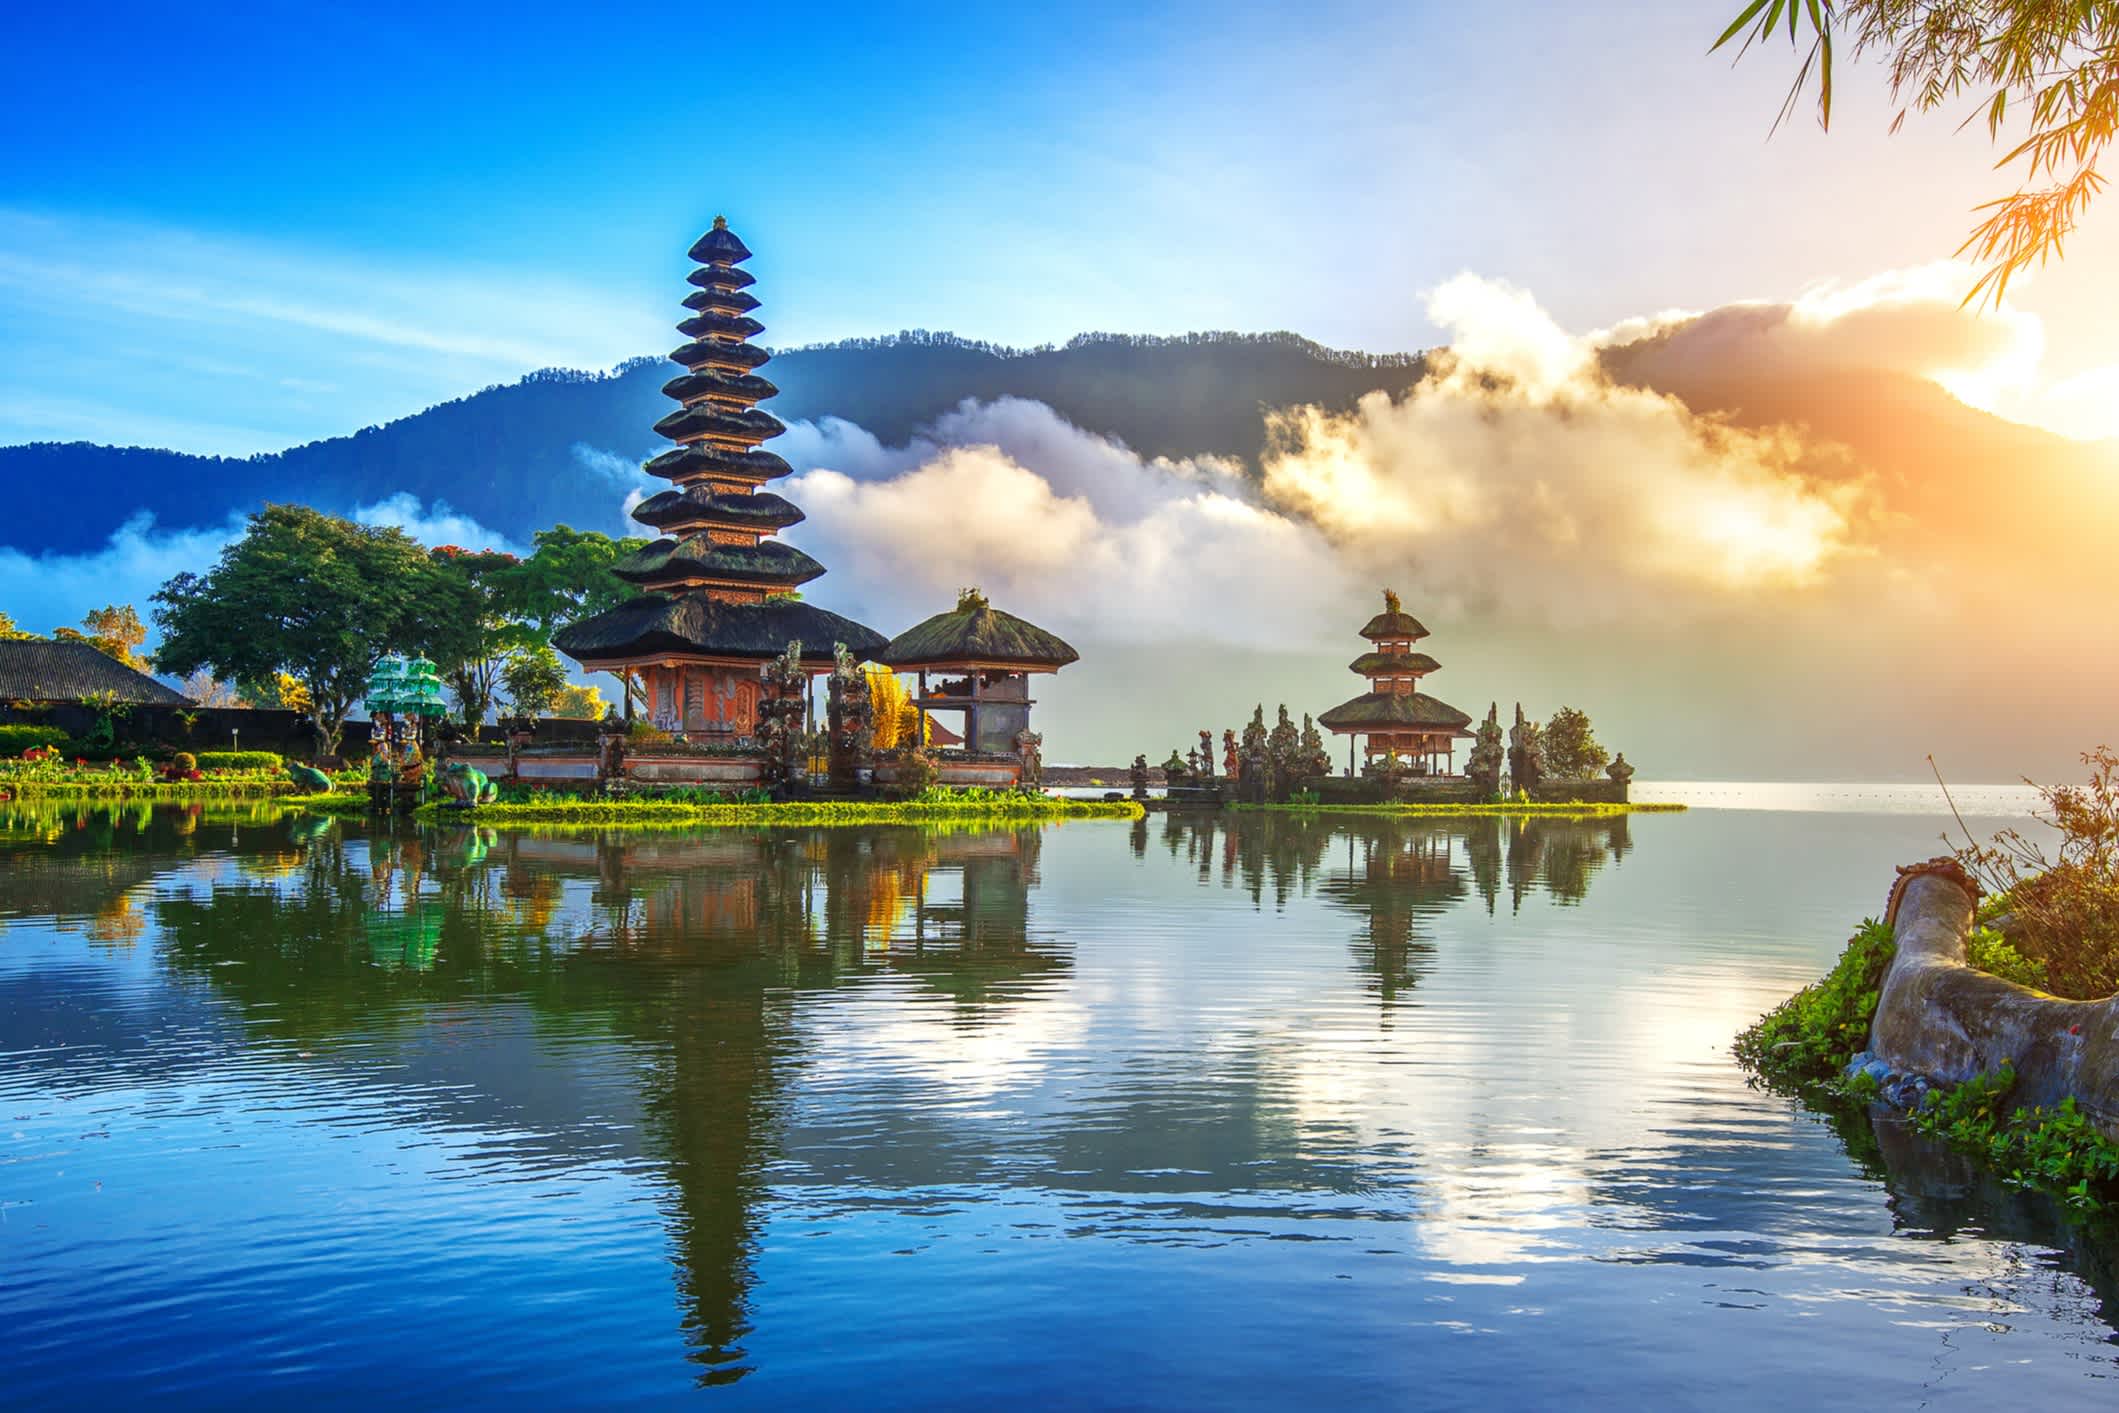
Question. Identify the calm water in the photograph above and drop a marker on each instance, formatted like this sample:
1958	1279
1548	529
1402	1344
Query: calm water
1247	1113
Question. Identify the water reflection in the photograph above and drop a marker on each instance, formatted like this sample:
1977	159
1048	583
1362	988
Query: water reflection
838	1031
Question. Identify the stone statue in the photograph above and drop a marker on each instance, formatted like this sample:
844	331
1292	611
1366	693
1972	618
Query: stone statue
610	746
780	711
1029	745
467	785
1483	766
1316	760
847	713
1140	776
1524	771
1619	769
1229	764
1206	755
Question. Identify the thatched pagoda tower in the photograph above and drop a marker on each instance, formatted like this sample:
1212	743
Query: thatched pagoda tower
719	587
1394	714
994	652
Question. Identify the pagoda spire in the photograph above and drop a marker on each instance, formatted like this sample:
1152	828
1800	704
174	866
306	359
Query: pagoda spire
716	524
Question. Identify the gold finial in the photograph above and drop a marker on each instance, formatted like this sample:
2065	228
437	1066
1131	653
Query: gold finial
970	599
720	223
1390	601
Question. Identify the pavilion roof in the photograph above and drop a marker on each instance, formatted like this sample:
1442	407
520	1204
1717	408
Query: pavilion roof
1394	623
1393	711
975	632
1389	664
720	244
768	563
758	510
32	670
694	623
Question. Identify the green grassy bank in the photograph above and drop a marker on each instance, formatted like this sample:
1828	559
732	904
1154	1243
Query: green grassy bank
998	808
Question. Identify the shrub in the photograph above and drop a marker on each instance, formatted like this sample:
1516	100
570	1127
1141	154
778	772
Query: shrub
1989	951
2057	1149
241	760
916	772
17	737
2065	907
1809	1038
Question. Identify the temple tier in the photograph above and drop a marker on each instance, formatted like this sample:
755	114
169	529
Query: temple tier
1394	714
719	591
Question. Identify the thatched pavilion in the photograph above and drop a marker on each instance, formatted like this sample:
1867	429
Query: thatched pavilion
1394	714
995	654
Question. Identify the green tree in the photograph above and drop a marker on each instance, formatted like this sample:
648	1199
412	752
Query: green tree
568	577
9	633
2052	64
534	678
1567	746
314	596
579	703
472	654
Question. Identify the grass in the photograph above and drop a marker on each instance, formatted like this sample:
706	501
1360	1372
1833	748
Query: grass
119	787
1577	810
2055	1150
1000	808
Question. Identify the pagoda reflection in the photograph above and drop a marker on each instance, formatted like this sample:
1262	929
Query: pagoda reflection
693	951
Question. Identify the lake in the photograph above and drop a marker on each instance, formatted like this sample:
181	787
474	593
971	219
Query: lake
1246	1111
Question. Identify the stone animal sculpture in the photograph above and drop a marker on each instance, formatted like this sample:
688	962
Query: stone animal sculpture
1942	1020
312	780
467	785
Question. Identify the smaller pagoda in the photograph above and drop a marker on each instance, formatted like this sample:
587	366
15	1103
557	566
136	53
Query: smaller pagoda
1398	719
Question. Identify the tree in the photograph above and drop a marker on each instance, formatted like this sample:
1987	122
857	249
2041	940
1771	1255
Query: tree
209	691
534	678
2055	65
579	703
9	633
568	577
311	595
1567	746
115	631
473	653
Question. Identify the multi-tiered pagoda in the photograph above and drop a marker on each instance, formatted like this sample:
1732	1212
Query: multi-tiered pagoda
719	587
1394	714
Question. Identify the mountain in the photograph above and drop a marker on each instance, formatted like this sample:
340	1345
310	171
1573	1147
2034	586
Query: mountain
507	456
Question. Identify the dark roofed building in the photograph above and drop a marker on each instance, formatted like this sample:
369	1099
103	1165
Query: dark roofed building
32	670
719	589
1394	714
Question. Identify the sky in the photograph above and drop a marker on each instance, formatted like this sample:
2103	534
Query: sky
238	230
303	221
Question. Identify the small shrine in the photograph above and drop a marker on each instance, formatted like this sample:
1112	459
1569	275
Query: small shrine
720	601
985	659
404	697
1402	724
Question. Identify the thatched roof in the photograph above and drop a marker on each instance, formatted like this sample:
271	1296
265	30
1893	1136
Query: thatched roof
706	322
731	301
736	387
748	424
34	671
976	632
1392	664
702	352
720	244
760	510
687	462
1393	622
708	276
772	564
1391	711
695	623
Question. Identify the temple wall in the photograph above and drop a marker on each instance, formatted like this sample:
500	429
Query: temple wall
1937	1016
719	772
957	772
1580	792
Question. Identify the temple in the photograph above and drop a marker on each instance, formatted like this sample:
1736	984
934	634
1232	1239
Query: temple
1399	720
994	654
719	596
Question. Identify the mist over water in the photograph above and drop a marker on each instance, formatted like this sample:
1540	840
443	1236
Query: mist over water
1234	1111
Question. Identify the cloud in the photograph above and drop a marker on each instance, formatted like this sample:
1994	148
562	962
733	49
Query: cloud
46	591
1073	530
1518	476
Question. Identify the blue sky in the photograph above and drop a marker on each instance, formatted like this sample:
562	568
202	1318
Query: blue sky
305	219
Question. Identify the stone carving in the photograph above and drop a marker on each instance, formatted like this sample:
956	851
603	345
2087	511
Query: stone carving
847	712
1315	759
1283	747
784	699
466	784
1205	755
309	778
1140	776
610	746
1523	769
1029	745
1230	766
1619	769
1483	766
